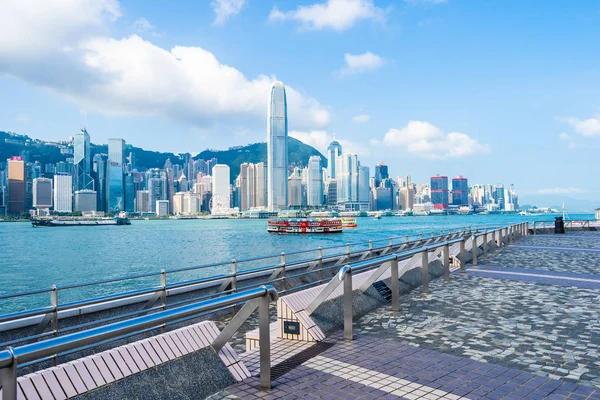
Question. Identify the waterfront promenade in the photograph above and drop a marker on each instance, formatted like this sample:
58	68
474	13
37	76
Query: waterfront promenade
522	324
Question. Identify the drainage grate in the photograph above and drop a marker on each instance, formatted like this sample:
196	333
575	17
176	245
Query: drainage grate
286	366
383	290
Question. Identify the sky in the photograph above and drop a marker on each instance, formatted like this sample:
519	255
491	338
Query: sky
497	91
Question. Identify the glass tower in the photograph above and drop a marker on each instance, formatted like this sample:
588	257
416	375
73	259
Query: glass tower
333	151
277	157
82	160
116	190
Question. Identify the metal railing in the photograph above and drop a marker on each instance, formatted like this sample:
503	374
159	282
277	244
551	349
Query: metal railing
155	298
12	358
569	224
501	236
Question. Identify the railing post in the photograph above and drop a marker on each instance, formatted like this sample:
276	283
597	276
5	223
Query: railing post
233	276
407	239
425	270
476	228
347	251
54	320
8	379
493	241
432	235
462	255
526	228
283	262
348	306
395	293
475	251
485	245
321	264
265	341
534	228
370	248
446	263
163	295
391	241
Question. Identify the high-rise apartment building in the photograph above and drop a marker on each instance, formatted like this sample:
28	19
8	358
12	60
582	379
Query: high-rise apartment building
116	189
314	182
439	192
157	186
99	173
295	189
334	150
381	173
16	186
42	193
63	193
460	191
142	202
277	152
82	162
221	189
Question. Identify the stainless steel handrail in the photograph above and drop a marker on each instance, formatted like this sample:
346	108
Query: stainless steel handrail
12	357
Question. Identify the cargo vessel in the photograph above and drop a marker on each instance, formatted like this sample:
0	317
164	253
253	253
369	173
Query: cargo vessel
332	225
80	222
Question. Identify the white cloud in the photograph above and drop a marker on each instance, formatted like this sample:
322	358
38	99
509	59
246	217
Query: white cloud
428	141
338	15
559	190
356	63
361	118
224	9
569	139
586	127
131	76
142	25
320	139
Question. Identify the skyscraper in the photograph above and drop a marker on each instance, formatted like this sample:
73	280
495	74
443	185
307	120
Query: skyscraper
100	181
221	190
363	186
439	192
116	190
333	151
85	201
347	178
63	193
82	160
314	183
42	193
295	189
381	173
16	186
244	186
142	201
460	191
277	156
157	187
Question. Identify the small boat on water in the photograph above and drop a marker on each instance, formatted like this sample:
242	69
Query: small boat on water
80	222
349	222
304	225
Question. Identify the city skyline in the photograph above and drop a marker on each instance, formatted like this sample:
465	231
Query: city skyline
424	86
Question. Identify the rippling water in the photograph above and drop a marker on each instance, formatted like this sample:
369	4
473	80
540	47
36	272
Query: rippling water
35	258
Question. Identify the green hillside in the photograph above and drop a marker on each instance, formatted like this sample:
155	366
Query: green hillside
298	155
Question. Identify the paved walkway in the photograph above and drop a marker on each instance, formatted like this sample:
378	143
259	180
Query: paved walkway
524	324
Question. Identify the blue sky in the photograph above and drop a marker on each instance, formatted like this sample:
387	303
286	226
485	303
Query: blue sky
501	92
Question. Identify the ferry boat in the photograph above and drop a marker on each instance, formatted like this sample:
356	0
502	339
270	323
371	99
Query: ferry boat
349	222
304	225
80	222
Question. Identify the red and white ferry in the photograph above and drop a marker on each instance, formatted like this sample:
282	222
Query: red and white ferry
332	225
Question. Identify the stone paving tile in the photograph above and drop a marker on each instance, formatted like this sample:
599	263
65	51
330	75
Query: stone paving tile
591	240
550	260
548	330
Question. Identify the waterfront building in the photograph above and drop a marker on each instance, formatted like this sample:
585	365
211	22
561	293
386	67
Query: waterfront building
406	198
221	189
142	202
347	178
63	193
178	204
331	190
439	192
16	186
314	182
498	196
85	200
295	189
99	168
381	173
82	161
364	192
383	198
157	186
116	159
243	186
460	191
162	207
129	193
257	185
334	150
277	152
42	193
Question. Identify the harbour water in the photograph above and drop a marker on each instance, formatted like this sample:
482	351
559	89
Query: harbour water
36	258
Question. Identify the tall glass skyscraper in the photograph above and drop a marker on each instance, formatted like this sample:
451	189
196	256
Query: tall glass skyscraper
116	190
82	160
314	182
333	151
277	155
